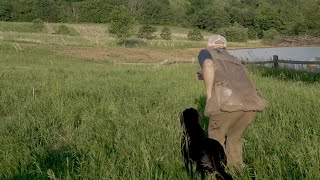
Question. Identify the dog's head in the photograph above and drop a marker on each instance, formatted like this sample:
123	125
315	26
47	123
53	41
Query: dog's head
190	118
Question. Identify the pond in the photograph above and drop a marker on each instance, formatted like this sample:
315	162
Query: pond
284	53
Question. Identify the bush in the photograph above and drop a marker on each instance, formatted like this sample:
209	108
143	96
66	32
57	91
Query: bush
235	33
146	32
131	42
165	33
64	30
269	35
252	33
38	25
195	35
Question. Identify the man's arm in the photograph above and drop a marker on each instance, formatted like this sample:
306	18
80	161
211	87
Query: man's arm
208	76
207	73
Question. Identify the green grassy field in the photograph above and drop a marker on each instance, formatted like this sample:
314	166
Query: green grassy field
64	116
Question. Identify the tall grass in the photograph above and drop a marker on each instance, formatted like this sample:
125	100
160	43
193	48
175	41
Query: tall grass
16	27
69	118
45	39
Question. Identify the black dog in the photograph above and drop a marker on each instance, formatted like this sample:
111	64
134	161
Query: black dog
208	154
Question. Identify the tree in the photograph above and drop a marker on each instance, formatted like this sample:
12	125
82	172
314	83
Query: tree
121	22
235	33
23	10
267	17
193	7
212	18
312	15
89	11
155	12
178	7
5	10
47	10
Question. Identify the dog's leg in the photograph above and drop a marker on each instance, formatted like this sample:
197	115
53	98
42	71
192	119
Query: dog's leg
188	163
201	169
189	166
220	168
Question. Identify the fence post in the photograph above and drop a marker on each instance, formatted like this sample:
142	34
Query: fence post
275	61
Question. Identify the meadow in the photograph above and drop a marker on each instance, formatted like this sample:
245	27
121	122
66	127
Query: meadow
74	107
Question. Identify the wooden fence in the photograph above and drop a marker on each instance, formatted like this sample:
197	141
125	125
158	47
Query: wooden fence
275	61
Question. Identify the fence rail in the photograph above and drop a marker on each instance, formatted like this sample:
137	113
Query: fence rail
276	62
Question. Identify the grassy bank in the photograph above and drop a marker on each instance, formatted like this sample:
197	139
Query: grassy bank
97	35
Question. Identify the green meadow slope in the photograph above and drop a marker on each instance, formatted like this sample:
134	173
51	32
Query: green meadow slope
71	115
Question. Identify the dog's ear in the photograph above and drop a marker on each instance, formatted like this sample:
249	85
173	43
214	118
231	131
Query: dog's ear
196	112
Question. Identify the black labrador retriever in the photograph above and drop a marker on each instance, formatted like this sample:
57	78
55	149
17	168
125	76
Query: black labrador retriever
208	154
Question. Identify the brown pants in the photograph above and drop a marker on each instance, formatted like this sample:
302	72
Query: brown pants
227	128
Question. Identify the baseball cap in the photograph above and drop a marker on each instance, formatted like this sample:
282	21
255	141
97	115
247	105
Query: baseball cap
217	40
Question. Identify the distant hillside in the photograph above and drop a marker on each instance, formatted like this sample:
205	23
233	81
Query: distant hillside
257	16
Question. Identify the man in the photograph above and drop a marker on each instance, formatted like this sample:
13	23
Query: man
232	100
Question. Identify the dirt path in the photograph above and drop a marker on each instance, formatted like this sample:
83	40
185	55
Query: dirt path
132	55
50	28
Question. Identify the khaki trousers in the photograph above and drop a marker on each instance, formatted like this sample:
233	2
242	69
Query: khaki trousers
227	128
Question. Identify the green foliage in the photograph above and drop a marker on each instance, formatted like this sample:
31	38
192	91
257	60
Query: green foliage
166	33
293	17
195	35
235	33
98	11
63	29
47	10
5	10
147	32
243	15
299	28
131	43
269	35
267	17
38	25
252	33
121	22
212	18
94	11
155	12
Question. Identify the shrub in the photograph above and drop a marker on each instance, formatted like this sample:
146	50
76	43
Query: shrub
64	30
195	35
269	35
252	33
38	25
235	33
165	33
222	32
131	42
146	32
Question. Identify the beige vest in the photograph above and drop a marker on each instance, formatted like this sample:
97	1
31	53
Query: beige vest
232	89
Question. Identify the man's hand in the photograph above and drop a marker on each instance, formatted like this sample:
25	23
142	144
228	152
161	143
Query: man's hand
200	75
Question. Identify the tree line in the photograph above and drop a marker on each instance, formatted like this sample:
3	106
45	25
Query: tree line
288	17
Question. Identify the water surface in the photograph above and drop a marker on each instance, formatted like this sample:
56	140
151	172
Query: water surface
284	53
